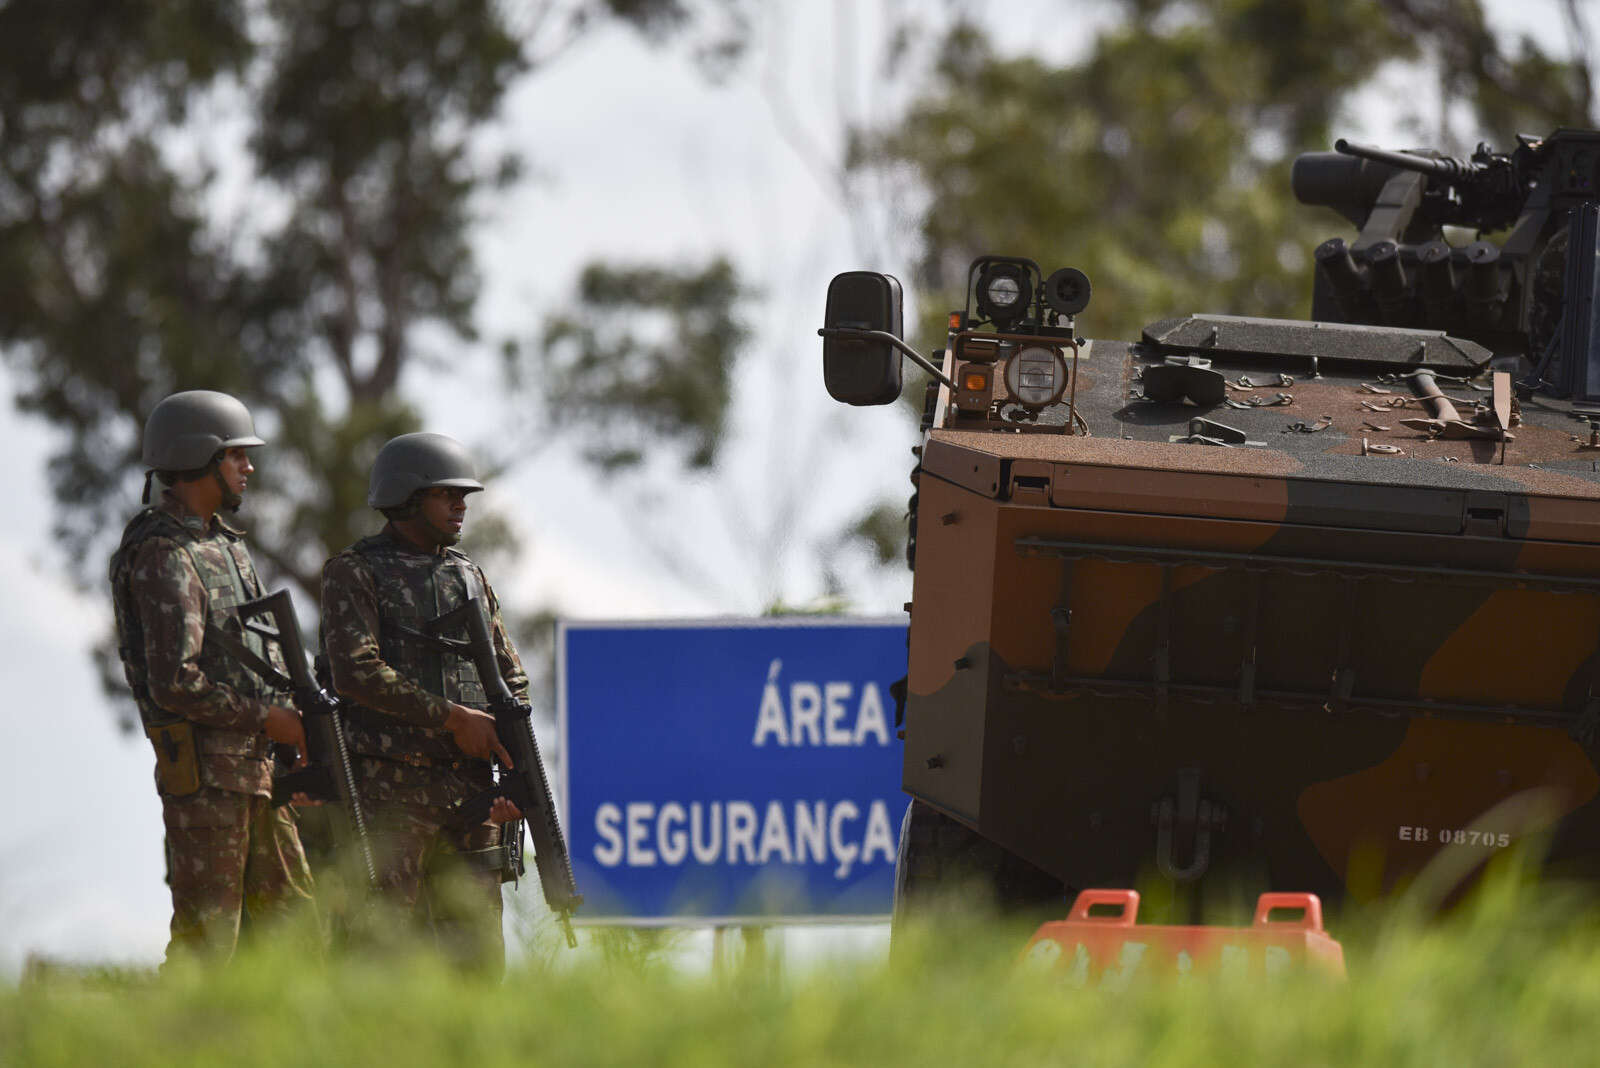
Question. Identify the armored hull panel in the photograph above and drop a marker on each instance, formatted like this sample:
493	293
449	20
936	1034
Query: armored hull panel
1315	660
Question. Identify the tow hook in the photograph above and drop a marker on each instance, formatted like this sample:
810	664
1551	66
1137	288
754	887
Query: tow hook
1184	827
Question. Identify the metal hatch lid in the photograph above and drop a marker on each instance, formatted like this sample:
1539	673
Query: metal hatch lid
1397	494
1332	342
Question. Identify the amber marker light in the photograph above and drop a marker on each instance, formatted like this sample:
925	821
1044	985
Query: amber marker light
975	381
955	321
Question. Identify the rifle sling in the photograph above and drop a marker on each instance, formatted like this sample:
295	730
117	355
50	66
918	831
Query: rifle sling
248	657
458	646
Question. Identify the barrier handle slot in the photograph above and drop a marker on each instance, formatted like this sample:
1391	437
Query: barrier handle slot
1309	906
1088	899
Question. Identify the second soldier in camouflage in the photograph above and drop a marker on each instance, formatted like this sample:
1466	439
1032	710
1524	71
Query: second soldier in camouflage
421	740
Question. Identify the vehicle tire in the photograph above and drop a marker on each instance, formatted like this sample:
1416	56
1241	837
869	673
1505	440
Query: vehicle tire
944	870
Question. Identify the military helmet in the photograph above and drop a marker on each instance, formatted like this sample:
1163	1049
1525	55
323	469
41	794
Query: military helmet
412	462
187	429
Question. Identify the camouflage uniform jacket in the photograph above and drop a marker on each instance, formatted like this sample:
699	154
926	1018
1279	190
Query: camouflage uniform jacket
401	688
172	575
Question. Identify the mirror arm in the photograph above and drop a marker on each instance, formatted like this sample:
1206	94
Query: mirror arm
850	333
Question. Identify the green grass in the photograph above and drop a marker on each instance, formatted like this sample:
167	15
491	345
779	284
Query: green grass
1511	977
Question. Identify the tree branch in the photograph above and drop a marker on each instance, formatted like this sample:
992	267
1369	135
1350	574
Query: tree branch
389	267
1582	46
347	327
571	29
1474	50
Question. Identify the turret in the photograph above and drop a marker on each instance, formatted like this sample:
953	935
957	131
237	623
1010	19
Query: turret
1514	289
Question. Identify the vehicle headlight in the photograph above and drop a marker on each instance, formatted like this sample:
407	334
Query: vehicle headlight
1003	291
1036	376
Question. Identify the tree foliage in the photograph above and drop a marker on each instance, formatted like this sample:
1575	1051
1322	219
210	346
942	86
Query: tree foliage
646	353
122	278
1154	163
1507	87
111	287
1159	161
125	275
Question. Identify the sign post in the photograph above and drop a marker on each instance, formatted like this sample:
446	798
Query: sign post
732	771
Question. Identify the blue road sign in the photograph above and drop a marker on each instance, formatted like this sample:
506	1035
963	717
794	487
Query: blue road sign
729	771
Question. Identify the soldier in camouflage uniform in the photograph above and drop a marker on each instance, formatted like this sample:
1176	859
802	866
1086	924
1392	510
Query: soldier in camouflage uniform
414	712
175	579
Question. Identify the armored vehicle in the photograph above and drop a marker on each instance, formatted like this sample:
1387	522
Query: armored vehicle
1252	604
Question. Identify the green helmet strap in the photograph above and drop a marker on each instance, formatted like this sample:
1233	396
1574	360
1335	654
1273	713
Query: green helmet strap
230	500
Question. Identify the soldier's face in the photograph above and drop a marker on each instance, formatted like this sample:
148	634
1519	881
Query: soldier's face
444	512
234	471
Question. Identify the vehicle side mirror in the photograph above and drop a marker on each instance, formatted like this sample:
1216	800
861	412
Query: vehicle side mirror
859	368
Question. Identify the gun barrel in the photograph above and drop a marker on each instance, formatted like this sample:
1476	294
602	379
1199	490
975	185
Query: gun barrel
1453	170
549	844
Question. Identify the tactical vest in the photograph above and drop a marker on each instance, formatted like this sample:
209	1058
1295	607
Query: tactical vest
412	589
228	758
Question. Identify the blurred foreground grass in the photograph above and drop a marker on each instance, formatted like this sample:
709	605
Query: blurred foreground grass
1509	978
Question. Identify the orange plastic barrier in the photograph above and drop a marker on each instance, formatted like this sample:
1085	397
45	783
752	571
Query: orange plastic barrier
1108	949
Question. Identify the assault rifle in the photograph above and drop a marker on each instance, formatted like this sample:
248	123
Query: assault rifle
328	775
525	784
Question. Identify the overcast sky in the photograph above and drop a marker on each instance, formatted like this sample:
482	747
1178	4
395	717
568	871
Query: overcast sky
636	157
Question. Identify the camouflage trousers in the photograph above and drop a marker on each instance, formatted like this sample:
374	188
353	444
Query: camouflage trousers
230	856
422	873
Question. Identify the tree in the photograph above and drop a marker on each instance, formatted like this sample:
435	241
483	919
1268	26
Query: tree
1159	162
604	376
111	286
1507	92
122	277
640	370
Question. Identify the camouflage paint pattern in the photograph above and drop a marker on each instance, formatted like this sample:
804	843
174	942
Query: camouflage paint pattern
399	691
1321	597
1059	680
230	855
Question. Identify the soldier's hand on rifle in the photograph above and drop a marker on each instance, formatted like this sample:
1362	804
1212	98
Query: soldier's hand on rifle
284	726
504	810
474	734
